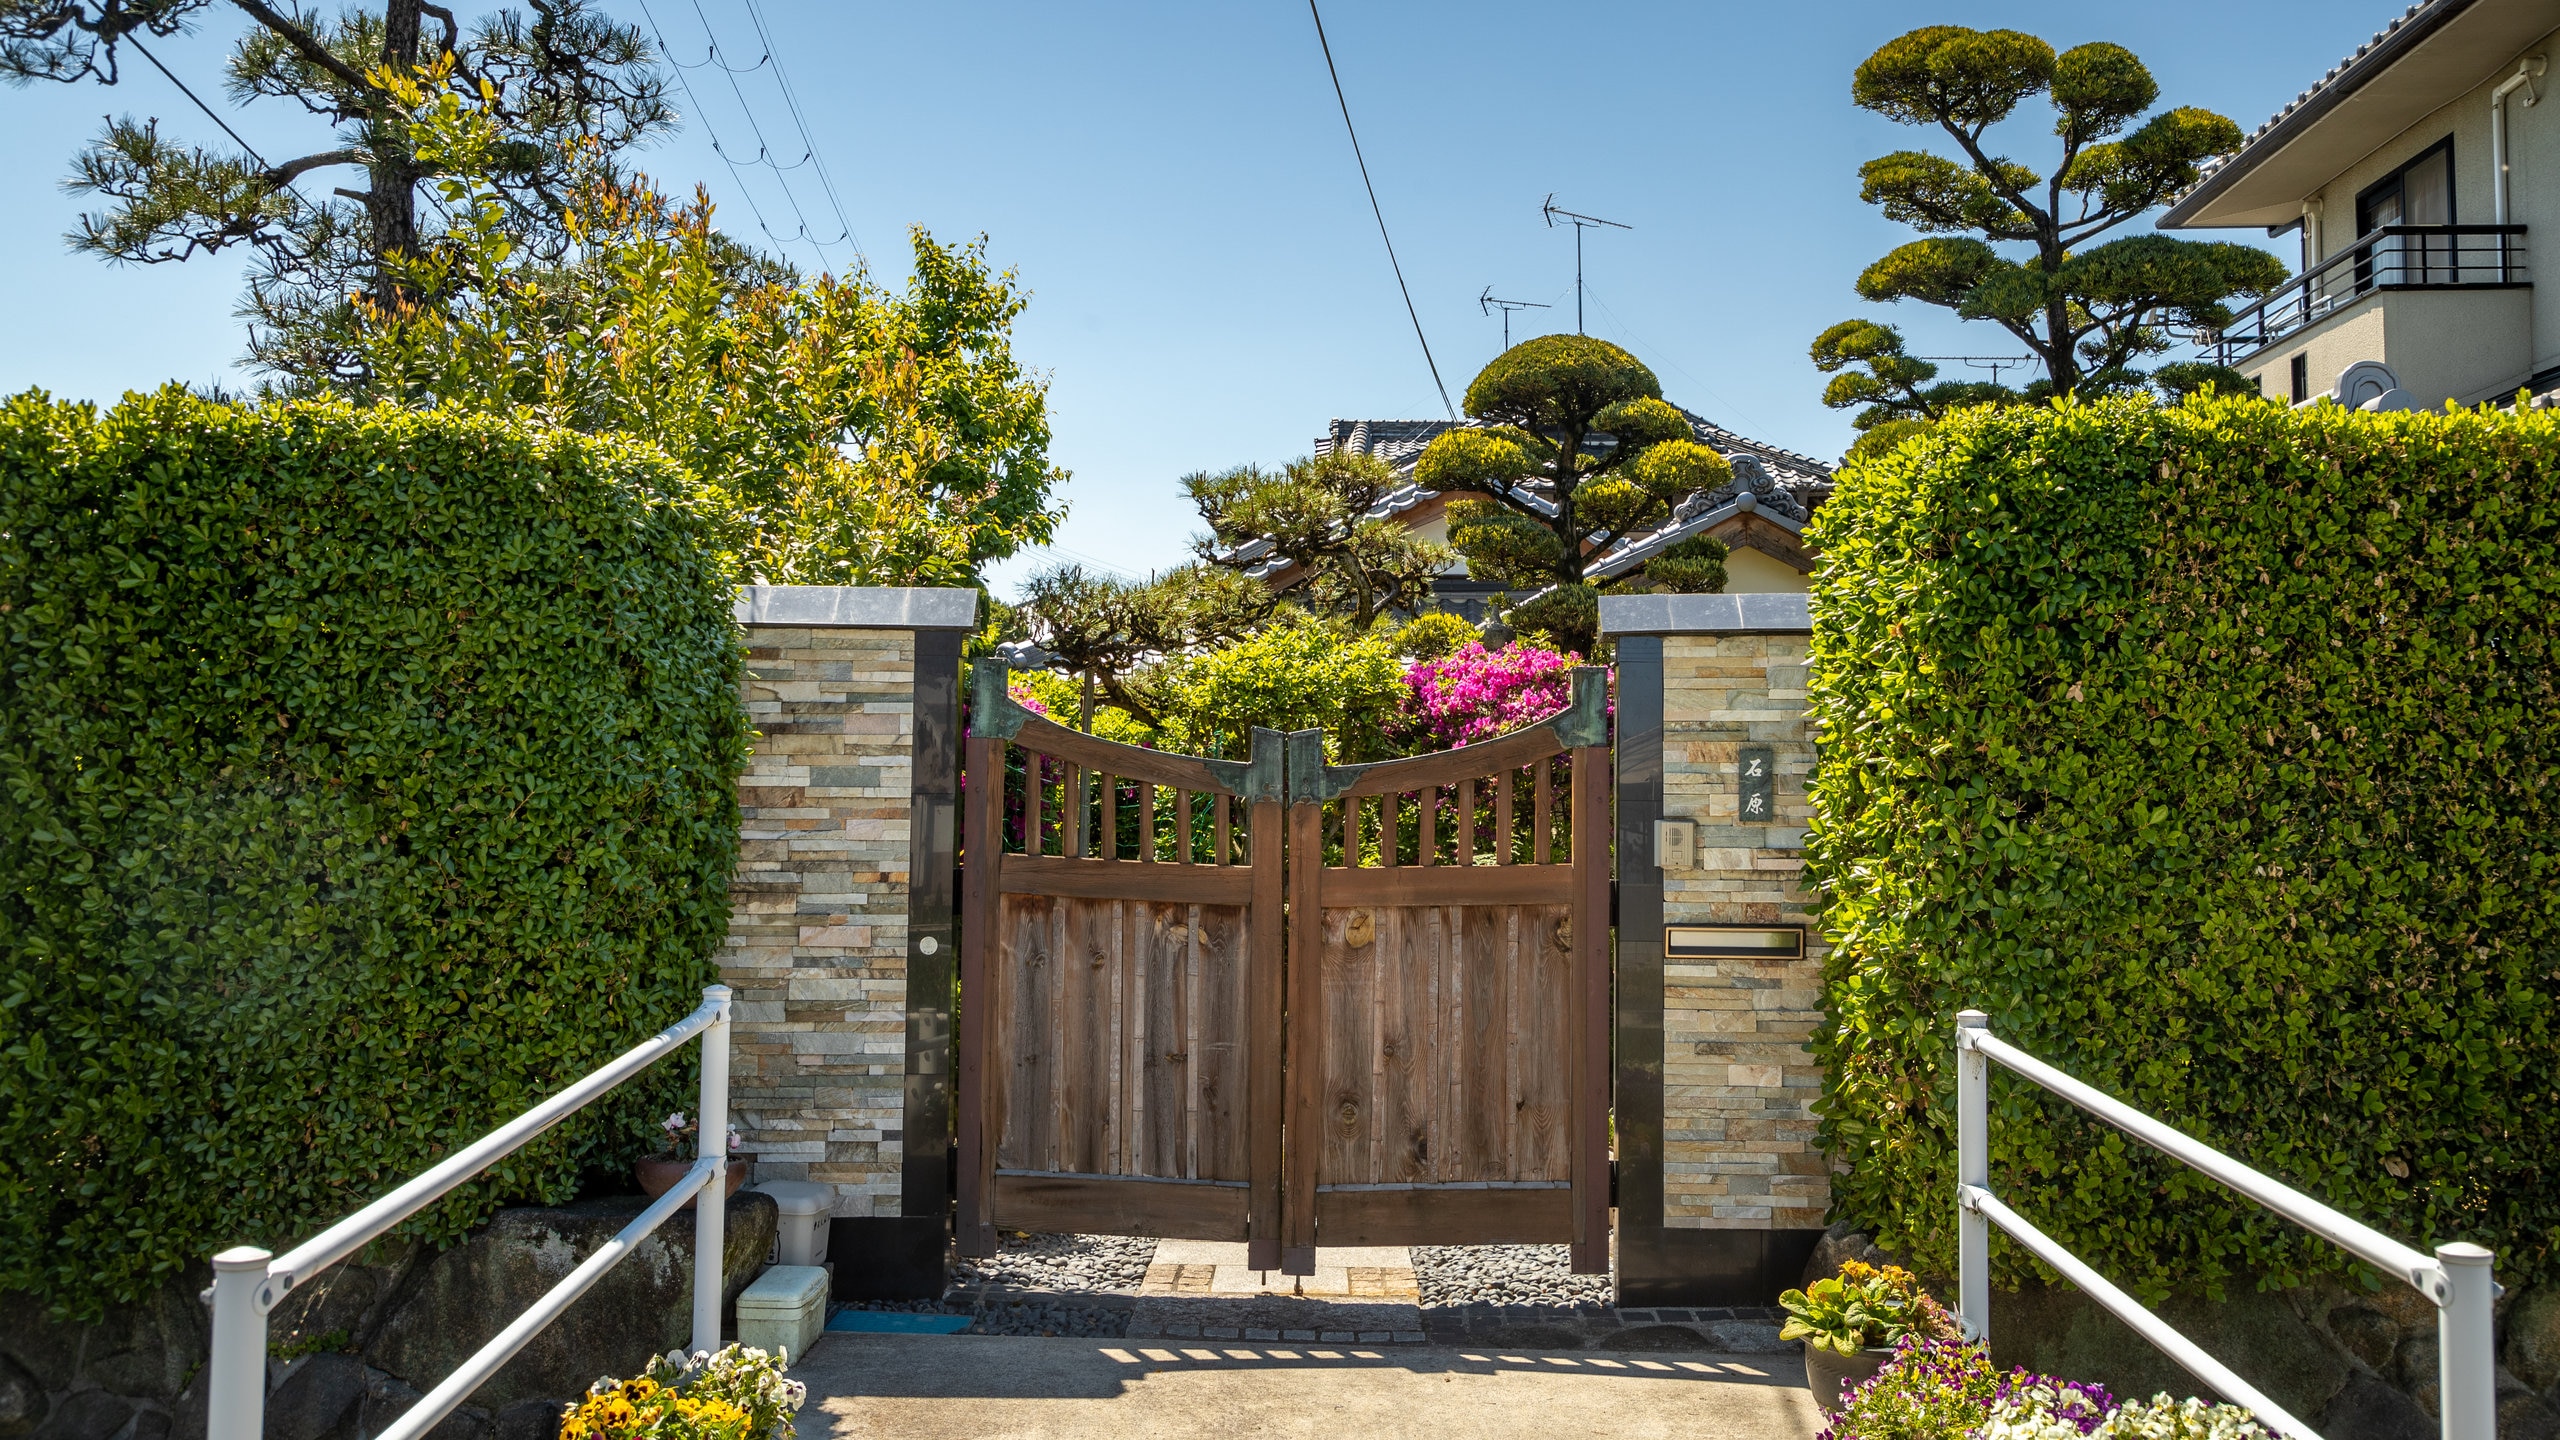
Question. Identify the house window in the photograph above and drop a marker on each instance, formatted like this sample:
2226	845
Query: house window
2301	378
2418	193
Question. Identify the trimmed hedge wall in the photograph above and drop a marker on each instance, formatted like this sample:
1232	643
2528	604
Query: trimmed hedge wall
368	775
2215	752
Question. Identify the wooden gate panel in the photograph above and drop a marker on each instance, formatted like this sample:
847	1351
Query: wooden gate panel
1444	988
1120	974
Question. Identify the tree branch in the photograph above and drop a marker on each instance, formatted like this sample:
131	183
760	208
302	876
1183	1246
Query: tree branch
286	173
1991	174
303	42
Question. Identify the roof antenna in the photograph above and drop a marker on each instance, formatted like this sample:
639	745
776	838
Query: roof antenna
1579	223
1488	302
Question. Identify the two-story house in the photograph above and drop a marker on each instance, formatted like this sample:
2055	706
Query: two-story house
2415	173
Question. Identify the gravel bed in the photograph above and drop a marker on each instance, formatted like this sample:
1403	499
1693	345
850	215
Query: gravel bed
1504	1275
1070	1263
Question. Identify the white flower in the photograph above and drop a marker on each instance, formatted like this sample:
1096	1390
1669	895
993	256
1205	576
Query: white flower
2161	1418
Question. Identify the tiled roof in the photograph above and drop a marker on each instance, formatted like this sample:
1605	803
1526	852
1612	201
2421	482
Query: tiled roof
1804	480
2320	89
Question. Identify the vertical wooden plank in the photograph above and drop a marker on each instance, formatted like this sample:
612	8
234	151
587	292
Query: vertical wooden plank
1028	1136
1505	841
1427	800
1291	1195
1390	829
1108	846
1541	828
1147	821
1484	1140
984	837
1347	1036
1406	1052
1228	1051
1182	827
1541	986
1071	811
1590	1011
1078	1025
1466	836
1222	849
1138	979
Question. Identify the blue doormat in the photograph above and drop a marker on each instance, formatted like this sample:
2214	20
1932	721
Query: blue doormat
898	1322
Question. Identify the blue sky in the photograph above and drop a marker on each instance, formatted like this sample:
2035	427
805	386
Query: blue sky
1173	185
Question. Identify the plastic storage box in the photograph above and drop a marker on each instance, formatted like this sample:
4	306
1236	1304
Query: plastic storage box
785	1310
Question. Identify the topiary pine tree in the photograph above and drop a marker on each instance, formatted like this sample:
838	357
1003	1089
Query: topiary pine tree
1582	452
565	76
2087	314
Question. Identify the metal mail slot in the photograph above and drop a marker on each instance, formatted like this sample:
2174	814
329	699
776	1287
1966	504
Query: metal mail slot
1750	942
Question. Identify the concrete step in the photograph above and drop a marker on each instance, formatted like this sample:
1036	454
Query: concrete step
971	1387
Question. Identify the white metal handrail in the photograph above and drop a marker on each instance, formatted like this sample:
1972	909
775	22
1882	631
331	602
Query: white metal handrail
249	1282
2457	1277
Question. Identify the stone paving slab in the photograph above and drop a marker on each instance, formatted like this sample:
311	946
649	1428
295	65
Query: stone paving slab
967	1387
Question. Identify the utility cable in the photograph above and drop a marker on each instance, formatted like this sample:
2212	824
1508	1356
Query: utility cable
716	147
290	188
1374	209
764	150
791	98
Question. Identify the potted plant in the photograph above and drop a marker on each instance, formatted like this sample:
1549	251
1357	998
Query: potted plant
658	1174
1849	1324
738	1394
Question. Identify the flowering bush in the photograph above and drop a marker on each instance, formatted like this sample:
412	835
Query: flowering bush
2038	1407
1863	1306
737	1394
2161	1418
1930	1390
1476	694
1935	1389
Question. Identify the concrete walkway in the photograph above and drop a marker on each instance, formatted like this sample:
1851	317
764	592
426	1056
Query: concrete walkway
977	1387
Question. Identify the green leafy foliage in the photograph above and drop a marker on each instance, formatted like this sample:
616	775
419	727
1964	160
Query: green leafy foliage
845	434
369	776
1296	673
2209	750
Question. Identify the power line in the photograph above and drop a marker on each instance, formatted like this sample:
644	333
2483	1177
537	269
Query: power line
791	98
716	147
1374	209
290	188
764	151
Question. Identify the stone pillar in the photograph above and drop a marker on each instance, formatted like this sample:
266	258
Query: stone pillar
840	937
1722	1190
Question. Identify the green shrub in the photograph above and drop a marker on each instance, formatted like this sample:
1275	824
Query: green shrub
370	775
1297	673
2211	750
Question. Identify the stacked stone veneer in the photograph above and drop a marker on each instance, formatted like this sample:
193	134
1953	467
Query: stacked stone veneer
818	930
1738	1148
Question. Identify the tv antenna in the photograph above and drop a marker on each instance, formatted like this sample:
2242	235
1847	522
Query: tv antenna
1579	223
1488	302
1993	363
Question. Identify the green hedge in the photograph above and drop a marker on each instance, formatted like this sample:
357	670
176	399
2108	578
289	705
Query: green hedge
368	774
2215	752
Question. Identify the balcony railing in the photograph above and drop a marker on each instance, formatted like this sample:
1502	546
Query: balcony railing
2391	257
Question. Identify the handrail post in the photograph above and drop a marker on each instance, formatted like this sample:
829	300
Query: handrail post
711	1203
2466	1344
237	1406
1973	1168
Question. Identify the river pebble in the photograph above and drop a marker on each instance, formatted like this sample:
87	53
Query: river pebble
1504	1275
1086	1263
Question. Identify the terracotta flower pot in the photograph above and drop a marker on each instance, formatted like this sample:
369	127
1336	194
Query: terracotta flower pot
658	1174
1828	1372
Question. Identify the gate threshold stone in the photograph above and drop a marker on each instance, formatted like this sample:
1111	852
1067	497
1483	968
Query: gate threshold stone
1205	1289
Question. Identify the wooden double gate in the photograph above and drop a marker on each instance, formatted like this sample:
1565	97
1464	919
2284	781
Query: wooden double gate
1281	1001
